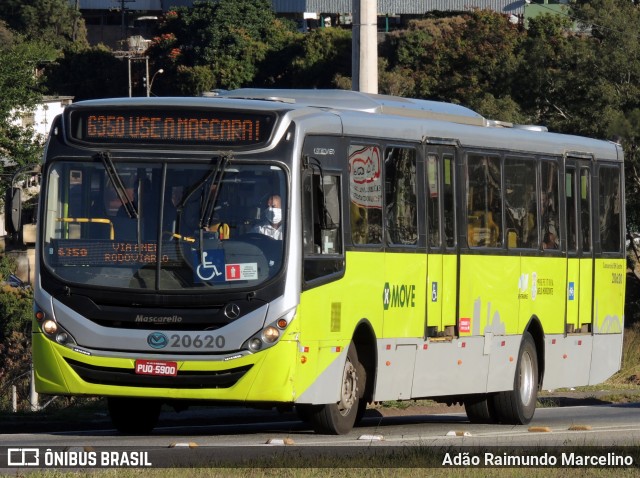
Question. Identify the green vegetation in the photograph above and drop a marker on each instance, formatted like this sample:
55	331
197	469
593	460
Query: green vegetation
16	310
19	95
229	37
81	73
53	22
629	374
338	471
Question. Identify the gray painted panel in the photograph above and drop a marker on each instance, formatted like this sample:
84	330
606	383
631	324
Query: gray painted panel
111	4
409	7
395	370
326	388
361	117
358	101
450	368
518	139
567	361
605	357
419	7
502	362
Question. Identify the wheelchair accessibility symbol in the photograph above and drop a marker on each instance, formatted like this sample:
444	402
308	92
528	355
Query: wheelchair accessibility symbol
213	268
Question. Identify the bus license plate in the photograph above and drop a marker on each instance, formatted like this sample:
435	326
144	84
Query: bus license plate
156	367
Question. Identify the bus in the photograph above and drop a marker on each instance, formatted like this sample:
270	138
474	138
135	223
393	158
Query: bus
321	250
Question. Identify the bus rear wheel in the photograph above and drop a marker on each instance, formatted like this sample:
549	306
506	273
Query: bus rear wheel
517	406
480	408
133	416
339	418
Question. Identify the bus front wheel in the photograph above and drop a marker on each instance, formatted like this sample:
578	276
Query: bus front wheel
339	418
517	406
133	416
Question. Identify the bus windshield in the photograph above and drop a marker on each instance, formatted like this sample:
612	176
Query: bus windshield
171	226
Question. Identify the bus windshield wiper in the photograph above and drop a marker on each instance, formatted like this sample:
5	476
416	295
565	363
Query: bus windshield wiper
216	172
208	206
118	185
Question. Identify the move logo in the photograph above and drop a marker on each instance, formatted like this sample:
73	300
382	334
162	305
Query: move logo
398	295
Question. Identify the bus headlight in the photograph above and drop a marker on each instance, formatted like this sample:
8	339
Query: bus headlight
270	334
50	327
62	338
56	332
255	344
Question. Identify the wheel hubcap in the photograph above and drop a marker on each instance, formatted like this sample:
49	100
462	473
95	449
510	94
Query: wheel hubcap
349	392
527	385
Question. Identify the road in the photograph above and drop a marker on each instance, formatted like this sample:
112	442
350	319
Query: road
234	434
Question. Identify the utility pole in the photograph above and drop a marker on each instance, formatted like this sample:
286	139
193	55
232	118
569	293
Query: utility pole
364	56
145	78
123	12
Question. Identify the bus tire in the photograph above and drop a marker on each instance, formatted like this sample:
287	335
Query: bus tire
480	408
305	412
339	418
517	406
133	416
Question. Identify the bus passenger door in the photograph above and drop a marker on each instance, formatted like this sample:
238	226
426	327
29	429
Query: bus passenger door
442	267
579	289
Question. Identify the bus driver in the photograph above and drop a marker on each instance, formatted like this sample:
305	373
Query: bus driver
272	224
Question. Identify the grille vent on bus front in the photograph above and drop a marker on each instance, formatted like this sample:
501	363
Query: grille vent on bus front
127	377
193	318
165	319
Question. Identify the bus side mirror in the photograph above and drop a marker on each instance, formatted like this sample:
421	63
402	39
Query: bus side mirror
13	216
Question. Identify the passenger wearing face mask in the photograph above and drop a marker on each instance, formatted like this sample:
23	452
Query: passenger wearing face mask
272	226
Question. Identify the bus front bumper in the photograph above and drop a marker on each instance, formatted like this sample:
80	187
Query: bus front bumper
266	376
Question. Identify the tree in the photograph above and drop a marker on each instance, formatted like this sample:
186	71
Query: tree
192	80
547	70
467	59
611	82
231	37
88	73
626	128
16	312
55	22
19	87
318	59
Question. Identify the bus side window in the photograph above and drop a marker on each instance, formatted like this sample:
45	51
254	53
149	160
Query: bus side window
609	213
401	213
521	203
365	189
549	206
433	201
571	206
585	209
326	227
448	200
321	226
484	201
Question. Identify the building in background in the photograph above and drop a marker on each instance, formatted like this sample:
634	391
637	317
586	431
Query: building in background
536	8
40	120
114	22
45	111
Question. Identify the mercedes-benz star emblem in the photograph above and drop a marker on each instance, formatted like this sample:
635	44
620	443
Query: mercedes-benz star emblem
232	311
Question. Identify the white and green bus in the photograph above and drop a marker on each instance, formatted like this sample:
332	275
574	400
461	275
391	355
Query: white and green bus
323	250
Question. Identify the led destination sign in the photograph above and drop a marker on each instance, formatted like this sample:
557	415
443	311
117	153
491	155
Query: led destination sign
78	252
171	127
